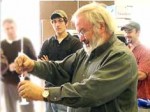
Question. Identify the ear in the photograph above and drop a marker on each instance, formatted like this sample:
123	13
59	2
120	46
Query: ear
67	24
51	23
102	27
138	33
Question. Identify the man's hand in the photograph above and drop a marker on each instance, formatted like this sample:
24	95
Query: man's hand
30	91
12	67
141	75
23	63
44	58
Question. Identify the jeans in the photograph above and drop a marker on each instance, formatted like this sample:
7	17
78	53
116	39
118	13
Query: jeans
51	107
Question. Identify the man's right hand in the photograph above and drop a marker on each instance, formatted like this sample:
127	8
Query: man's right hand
23	63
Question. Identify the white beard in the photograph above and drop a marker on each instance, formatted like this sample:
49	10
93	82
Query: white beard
88	50
96	41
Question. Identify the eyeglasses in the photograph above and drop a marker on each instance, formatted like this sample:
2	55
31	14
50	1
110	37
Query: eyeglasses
83	33
54	21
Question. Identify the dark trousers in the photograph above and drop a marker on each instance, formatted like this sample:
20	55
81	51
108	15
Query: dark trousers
11	98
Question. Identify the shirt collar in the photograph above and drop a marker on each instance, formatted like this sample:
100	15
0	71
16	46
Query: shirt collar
11	41
66	38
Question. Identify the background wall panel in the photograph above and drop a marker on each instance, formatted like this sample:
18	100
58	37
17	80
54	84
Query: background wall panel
47	7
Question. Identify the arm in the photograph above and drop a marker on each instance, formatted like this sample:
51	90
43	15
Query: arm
31	51
143	61
76	45
119	72
43	50
50	71
31	91
112	79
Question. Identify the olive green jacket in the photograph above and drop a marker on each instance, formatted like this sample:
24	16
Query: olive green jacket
105	81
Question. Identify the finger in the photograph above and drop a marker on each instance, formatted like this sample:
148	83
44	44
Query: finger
19	60
22	93
46	57
26	61
18	64
42	59
17	70
26	64
22	83
21	87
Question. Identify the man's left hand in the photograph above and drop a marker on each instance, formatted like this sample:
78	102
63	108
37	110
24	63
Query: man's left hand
30	91
44	58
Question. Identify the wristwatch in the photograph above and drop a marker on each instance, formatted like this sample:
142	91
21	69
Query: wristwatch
45	94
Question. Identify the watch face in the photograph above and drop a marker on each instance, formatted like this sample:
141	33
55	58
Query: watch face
45	93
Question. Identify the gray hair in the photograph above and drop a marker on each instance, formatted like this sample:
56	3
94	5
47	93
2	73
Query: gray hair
96	13
8	20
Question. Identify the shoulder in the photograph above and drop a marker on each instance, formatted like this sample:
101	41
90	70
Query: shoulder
48	40
73	37
143	48
120	50
51	39
46	43
26	40
141	52
3	42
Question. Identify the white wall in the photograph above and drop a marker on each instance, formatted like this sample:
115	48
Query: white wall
140	14
26	15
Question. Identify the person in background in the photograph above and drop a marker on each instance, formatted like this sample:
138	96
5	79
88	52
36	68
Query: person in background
57	47
100	77
142	55
11	46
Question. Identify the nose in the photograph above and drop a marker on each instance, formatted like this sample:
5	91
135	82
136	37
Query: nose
82	38
57	24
